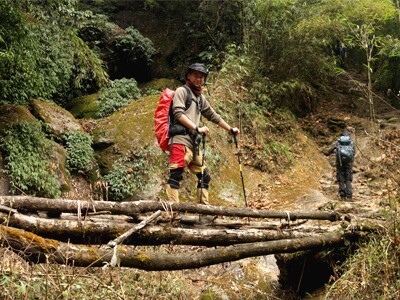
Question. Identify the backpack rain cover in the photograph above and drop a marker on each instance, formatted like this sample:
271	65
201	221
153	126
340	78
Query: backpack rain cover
345	149
161	118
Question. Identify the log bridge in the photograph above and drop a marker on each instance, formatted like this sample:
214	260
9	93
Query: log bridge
99	233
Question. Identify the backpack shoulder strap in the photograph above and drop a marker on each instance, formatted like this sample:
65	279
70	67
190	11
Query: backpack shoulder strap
188	101
202	101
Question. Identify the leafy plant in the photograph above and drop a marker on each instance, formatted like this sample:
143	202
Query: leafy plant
27	160
80	154
117	94
130	174
33	60
125	51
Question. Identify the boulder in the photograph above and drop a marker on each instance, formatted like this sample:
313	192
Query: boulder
57	119
14	114
59	160
159	84
4	183
130	126
85	107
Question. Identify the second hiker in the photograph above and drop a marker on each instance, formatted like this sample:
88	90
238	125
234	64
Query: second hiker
188	105
344	164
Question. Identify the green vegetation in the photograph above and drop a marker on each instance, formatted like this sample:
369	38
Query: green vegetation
33	60
51	282
80	154
125	51
372	272
130	174
116	94
27	160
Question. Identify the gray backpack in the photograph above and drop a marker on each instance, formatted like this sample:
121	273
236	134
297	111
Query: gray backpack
345	150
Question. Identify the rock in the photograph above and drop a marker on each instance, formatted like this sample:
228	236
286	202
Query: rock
59	160
58	119
14	114
85	107
117	134
4	183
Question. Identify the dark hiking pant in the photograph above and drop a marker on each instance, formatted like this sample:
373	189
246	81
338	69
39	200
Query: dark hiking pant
344	175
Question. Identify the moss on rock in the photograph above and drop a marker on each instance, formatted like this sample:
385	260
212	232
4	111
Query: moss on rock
131	126
14	114
60	161
85	107
160	84
57	119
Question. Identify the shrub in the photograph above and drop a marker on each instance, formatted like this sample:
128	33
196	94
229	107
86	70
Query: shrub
371	273
27	160
33	60
129	174
117	94
125	51
80	154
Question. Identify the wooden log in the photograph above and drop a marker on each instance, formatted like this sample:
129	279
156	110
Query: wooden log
143	206
89	232
135	228
194	220
37	249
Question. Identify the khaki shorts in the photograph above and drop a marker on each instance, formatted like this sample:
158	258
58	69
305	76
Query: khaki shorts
181	156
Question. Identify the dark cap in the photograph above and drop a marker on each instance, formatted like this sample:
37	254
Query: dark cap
197	67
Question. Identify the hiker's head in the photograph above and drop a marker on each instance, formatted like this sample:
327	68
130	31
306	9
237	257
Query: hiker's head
344	133
197	74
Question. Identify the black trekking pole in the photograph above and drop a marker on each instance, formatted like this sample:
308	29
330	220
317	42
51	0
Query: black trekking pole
203	141
240	167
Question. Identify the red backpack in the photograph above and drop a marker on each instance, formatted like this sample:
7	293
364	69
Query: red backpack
163	117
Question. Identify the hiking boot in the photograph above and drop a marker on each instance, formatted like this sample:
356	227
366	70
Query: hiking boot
349	199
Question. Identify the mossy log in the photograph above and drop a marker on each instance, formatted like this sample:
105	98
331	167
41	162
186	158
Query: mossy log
37	249
89	232
143	206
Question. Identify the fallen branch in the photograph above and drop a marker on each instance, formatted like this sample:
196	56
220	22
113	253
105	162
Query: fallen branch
135	228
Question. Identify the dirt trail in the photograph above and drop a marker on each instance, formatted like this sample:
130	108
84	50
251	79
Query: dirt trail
311	183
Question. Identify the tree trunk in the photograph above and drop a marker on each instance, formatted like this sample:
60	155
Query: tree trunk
137	207
38	249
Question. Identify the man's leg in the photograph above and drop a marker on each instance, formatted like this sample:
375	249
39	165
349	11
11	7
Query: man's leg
348	172
176	169
175	177
202	186
204	178
341	181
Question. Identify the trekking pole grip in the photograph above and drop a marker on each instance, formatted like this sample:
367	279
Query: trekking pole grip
235	139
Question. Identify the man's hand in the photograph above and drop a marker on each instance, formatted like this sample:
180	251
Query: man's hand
234	130
203	129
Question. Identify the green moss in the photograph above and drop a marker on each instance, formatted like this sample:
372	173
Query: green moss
160	84
132	125
14	114
60	160
57	119
210	295
85	107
